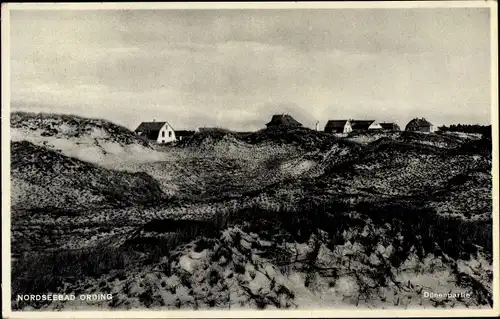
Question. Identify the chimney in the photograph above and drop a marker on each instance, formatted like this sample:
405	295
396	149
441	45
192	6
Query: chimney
317	125
154	120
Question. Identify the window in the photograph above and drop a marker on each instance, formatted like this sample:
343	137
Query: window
163	134
170	134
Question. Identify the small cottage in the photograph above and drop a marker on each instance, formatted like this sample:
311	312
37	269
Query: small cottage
160	132
420	125
390	127
338	126
283	120
364	125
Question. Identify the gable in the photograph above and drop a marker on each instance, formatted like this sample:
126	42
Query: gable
375	125
166	127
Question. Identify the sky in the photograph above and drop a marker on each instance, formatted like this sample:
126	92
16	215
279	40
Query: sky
236	68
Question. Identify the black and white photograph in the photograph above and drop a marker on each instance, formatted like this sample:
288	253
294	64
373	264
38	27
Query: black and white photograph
250	158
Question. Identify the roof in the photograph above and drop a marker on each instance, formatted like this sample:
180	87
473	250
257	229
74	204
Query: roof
389	126
335	125
420	122
150	126
361	124
283	119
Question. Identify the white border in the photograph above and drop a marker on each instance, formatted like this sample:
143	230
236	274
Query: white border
5	118
252	5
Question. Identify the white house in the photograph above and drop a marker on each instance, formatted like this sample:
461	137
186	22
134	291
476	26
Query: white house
338	126
160	132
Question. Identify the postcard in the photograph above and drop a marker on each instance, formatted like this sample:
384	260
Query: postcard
275	159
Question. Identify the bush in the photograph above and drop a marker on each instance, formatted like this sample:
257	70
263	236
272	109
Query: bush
169	234
43	273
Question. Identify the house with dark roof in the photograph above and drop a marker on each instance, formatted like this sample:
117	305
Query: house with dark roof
365	125
338	126
390	127
183	134
420	125
160	132
283	120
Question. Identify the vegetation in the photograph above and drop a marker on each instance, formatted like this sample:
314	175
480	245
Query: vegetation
44	178
47	272
72	126
485	130
301	137
257	218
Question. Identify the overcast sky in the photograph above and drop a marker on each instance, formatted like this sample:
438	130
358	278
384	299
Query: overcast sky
235	68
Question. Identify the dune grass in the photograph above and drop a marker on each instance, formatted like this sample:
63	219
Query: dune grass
47	272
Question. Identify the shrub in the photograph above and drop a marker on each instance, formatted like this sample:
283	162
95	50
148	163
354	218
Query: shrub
43	273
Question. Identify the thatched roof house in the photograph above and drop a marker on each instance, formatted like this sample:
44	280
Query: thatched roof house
160	132
390	127
364	125
283	120
338	126
419	124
